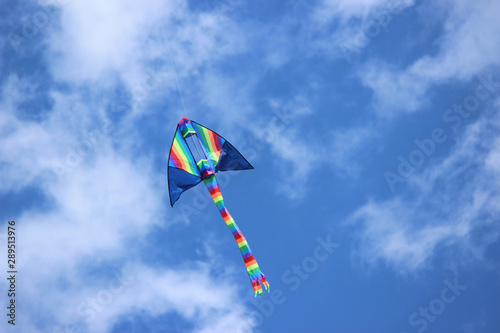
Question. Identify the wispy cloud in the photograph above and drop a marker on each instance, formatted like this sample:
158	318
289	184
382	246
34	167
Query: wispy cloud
345	147
467	46
345	10
347	27
406	231
298	155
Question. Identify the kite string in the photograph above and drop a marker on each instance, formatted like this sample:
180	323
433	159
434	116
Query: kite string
173	67
177	81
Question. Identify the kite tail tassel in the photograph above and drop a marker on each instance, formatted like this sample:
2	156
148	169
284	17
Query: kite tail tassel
259	283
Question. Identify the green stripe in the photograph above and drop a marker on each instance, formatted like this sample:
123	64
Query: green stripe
206	141
253	271
253	267
205	138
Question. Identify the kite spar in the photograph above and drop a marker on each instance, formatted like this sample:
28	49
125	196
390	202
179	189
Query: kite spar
185	172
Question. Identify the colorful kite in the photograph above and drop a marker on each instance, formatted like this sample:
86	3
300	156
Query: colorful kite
217	154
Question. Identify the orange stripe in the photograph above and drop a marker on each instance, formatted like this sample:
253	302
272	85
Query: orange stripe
212	140
250	263
179	158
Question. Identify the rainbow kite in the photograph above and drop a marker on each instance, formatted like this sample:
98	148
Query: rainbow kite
214	154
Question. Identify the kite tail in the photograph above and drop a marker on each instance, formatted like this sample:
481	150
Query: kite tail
256	276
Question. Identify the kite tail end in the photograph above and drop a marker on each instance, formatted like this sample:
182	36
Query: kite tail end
258	282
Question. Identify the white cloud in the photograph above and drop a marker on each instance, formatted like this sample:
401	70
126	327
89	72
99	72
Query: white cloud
97	45
104	207
345	10
347	27
94	39
452	199
189	293
469	44
298	156
345	147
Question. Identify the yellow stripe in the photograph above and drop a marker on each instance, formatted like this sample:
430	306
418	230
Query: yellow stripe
254	266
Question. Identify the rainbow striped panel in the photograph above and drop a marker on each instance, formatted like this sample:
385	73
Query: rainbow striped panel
180	155
211	143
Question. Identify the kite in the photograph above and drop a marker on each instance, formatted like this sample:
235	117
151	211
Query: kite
185	172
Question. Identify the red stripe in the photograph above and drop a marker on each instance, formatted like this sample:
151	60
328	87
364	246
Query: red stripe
249	259
215	140
250	263
177	159
214	191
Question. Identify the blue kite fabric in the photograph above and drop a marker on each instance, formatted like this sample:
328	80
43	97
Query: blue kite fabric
185	172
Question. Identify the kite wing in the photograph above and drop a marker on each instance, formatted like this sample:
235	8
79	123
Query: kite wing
183	172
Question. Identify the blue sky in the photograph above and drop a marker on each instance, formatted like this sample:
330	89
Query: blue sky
374	131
